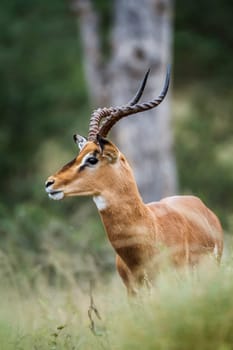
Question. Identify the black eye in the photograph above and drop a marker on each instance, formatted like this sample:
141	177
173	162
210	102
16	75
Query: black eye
92	160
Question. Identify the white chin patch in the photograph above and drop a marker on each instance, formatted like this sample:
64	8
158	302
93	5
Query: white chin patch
100	202
56	195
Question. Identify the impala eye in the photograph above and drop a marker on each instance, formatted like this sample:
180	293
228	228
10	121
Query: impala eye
92	160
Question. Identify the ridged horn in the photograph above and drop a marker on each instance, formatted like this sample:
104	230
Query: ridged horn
112	115
121	112
101	113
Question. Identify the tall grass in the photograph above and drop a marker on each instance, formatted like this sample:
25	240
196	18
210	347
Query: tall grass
184	311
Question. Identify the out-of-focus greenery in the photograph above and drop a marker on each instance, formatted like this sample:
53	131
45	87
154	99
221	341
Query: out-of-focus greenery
203	37
203	102
43	102
181	313
42	91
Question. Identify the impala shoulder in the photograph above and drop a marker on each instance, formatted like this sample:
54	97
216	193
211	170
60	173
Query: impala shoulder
159	208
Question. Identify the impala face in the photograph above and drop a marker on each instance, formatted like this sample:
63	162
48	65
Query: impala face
85	175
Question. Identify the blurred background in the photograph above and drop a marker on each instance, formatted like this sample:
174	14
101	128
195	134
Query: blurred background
58	60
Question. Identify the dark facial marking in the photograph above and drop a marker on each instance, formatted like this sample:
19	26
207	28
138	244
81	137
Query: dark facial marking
91	162
102	142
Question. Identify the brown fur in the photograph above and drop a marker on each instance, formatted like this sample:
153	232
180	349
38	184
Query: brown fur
180	227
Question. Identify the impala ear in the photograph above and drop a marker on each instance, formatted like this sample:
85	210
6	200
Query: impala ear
80	141
108	150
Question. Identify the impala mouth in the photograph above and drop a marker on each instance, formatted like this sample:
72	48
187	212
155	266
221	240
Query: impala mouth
56	195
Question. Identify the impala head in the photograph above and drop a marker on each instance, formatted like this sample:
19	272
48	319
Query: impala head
99	160
85	174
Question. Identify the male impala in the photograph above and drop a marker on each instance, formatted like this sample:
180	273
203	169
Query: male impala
138	232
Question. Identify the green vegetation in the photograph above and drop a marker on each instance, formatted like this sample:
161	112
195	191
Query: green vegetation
203	102
182	312
204	146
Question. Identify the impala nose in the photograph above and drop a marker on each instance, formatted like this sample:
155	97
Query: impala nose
49	183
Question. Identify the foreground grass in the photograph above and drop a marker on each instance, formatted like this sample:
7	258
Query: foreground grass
184	311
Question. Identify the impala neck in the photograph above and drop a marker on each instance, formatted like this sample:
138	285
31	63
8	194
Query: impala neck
120	206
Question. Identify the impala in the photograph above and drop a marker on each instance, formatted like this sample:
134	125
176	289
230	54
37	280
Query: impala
138	232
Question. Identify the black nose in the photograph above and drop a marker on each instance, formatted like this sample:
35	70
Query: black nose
49	183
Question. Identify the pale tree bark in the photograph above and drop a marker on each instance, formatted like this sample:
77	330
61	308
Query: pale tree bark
141	38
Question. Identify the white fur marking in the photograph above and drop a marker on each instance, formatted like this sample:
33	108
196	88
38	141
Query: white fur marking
100	202
80	140
88	155
56	195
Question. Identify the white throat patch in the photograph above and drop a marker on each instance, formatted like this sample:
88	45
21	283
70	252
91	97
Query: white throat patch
100	202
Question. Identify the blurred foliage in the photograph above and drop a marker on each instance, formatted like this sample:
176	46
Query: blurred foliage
42	87
56	318
204	144
43	102
203	43
204	102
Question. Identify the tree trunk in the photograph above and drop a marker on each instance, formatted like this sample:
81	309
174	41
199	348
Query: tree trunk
141	38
